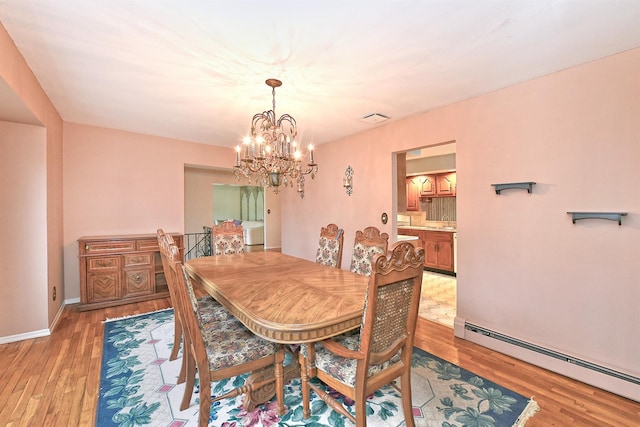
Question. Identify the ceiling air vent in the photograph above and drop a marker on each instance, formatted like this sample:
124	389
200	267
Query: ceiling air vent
374	118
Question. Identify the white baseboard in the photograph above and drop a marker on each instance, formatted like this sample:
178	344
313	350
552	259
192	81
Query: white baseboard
42	332
72	301
53	324
616	381
25	336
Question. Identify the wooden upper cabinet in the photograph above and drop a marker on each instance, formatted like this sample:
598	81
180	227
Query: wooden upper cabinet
427	185
433	185
413	194
446	184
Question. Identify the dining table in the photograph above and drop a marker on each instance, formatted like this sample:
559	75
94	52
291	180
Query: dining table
282	298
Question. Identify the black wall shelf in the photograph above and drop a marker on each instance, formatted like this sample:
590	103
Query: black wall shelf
612	216
511	185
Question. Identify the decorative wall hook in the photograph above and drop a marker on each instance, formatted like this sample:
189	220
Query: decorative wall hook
347	182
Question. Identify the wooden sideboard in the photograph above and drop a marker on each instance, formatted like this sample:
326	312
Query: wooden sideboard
121	269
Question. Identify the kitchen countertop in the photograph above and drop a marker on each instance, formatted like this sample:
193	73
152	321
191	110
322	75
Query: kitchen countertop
404	238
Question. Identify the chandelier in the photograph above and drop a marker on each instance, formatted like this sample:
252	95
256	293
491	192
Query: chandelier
271	155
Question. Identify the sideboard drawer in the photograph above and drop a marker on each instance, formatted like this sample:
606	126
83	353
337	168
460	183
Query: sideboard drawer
112	246
147	245
103	263
137	259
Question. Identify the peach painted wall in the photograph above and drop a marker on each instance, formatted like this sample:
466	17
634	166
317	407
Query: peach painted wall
523	268
118	182
23	223
198	186
16	73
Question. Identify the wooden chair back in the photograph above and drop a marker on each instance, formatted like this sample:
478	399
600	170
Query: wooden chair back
200	347
165	241
330	246
227	238
367	243
385	341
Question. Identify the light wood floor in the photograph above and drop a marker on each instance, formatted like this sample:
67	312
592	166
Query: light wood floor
53	381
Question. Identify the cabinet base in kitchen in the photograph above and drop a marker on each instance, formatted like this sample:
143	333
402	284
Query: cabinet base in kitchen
437	270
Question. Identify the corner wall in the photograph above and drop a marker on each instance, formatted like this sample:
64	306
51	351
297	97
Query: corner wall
23	224
17	75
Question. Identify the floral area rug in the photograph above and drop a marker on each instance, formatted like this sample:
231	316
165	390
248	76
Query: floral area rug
138	388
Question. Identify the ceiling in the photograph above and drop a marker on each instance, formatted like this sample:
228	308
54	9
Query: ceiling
195	70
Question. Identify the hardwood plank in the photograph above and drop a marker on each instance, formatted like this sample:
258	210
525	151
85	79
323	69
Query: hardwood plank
563	401
53	381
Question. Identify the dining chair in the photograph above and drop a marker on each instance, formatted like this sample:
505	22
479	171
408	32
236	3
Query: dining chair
367	243
356	365
227	238
330	246
209	307
221	349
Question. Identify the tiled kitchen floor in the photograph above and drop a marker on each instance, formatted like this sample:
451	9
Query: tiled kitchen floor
438	298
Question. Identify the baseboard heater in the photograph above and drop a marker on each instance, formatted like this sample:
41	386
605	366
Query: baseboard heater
551	353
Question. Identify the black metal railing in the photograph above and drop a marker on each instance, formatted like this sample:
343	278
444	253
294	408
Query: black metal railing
197	244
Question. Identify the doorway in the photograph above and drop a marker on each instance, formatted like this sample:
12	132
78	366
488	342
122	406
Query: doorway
439	288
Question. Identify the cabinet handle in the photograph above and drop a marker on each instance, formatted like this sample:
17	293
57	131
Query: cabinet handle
137	278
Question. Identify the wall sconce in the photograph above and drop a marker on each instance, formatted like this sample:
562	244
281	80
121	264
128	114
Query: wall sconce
347	182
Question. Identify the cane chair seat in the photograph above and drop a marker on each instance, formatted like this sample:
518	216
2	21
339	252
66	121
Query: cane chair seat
367	243
342	368
210	309
229	343
330	246
357	364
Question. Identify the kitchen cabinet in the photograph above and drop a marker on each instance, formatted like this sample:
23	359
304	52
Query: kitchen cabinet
431	185
413	194
438	247
427	185
446	184
121	269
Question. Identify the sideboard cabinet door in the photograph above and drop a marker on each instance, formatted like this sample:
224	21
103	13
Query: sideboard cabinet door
103	278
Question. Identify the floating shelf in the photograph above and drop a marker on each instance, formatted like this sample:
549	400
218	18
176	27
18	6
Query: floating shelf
519	185
612	216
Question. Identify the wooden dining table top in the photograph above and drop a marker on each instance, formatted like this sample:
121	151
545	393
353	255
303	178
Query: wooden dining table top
283	298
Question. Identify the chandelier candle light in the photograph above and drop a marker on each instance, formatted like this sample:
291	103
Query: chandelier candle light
271	155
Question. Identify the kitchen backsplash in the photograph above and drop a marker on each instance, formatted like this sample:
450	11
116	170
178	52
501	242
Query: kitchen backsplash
440	211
